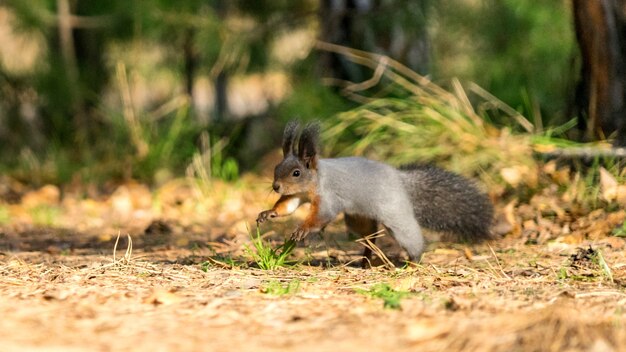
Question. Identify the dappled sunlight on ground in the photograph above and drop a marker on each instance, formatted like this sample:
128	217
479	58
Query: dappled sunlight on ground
180	277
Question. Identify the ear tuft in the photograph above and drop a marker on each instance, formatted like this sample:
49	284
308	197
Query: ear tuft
289	137
308	147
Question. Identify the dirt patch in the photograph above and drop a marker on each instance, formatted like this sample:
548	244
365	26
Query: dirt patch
505	297
552	283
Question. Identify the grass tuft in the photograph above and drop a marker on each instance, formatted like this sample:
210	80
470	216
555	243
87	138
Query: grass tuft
620	231
391	298
268	257
276	288
604	266
5	215
44	215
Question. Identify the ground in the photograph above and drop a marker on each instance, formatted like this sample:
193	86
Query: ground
188	282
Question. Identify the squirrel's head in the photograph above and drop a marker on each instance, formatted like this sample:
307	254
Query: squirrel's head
297	172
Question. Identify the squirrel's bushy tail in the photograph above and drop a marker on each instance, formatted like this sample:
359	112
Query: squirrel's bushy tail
448	203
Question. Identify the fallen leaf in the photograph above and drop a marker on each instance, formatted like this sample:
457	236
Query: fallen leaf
468	253
572	239
446	251
161	296
424	331
46	195
511	175
612	191
615	242
560	176
558	247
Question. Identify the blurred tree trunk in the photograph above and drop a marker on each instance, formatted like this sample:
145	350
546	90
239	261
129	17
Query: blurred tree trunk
396	28
600	94
190	53
66	45
67	51
90	39
77	73
221	80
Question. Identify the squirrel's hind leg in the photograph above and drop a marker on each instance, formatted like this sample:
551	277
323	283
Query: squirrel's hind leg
405	229
363	227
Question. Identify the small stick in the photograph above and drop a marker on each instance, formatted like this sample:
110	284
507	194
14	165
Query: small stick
366	241
498	262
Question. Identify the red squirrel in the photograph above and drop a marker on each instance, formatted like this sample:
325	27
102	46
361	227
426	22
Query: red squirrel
370	193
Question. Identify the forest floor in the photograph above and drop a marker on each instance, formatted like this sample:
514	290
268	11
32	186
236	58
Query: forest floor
187	280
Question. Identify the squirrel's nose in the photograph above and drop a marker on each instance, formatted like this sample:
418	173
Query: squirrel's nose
276	186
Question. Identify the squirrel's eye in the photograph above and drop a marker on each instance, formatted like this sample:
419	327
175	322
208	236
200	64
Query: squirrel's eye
296	173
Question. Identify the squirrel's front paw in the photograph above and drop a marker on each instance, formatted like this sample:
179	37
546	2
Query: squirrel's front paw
264	215
299	234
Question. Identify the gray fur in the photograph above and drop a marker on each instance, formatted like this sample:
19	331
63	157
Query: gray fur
371	189
289	137
403	200
308	143
448	203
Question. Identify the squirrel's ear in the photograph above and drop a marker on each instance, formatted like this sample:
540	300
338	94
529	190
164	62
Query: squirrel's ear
289	138
309	145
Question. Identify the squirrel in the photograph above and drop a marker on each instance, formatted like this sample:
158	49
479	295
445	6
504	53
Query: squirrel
370	193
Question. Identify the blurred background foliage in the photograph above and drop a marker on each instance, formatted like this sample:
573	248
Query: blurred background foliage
111	90
524	52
